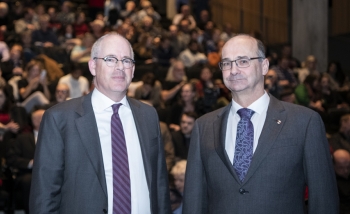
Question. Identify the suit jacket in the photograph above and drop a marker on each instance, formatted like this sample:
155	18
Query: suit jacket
292	152
68	172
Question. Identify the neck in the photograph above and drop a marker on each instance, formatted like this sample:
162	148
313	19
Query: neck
246	99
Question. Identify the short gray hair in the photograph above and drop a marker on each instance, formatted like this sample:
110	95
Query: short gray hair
96	46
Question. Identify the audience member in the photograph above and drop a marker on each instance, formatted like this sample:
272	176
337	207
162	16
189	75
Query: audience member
14	66
177	42
78	85
66	16
44	36
185	14
6	21
175	79
80	26
207	90
21	157
341	160
272	85
188	102
309	94
285	74
97	28
130	10
308	68
164	54
27	22
227	32
286	52
178	172
203	19
341	139
54	23
4	52
81	52
191	56
181	138
338	80
33	89
150	91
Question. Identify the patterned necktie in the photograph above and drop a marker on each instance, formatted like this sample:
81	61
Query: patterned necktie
244	143
121	176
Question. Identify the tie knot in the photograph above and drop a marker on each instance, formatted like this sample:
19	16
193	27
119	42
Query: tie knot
115	108
245	113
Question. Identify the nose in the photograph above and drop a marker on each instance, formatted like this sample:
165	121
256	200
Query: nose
234	69
119	65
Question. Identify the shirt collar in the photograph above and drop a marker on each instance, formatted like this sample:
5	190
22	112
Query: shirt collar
258	106
101	102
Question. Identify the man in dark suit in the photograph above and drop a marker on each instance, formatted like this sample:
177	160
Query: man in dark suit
85	162
257	154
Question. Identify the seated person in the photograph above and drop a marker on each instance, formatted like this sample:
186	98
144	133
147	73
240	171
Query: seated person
33	89
149	91
178	172
341	160
21	156
341	139
78	84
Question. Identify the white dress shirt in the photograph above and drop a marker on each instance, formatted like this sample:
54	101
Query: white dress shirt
258	119
102	106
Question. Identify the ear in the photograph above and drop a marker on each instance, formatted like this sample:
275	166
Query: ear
133	71
92	67
265	66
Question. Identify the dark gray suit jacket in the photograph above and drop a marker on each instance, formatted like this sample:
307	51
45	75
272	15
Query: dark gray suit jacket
290	155
68	172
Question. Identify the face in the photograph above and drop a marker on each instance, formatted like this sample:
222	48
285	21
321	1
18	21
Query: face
186	124
179	71
36	118
249	80
179	182
324	82
62	92
342	168
112	81
206	74
15	52
187	94
34	71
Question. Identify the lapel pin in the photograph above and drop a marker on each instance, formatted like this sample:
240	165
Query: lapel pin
279	122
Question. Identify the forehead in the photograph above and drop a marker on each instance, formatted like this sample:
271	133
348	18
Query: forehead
115	45
239	46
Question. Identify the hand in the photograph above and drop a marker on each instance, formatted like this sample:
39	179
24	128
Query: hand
174	127
12	126
33	83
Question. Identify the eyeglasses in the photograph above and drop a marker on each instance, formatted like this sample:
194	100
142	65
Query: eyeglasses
112	61
62	91
241	63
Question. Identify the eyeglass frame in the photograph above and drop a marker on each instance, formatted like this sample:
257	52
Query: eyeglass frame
235	61
105	58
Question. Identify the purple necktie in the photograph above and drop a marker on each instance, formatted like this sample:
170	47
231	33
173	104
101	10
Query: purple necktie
244	143
121	176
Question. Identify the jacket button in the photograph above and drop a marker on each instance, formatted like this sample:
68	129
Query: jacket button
242	191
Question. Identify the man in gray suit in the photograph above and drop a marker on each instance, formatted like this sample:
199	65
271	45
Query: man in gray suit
260	164
75	160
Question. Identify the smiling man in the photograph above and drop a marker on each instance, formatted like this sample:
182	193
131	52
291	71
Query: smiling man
103	152
257	154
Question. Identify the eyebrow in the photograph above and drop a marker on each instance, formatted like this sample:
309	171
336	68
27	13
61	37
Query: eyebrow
239	57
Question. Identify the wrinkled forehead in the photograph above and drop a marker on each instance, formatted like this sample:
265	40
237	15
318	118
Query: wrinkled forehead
115	46
240	46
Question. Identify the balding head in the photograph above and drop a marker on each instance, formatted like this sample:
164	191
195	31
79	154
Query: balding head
342	163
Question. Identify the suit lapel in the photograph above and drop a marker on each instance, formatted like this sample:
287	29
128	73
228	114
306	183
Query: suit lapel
220	125
270	131
87	128
141	123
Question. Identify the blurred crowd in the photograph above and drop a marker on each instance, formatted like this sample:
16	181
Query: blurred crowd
45	47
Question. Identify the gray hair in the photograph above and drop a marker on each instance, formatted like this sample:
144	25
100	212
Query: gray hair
96	46
179	168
